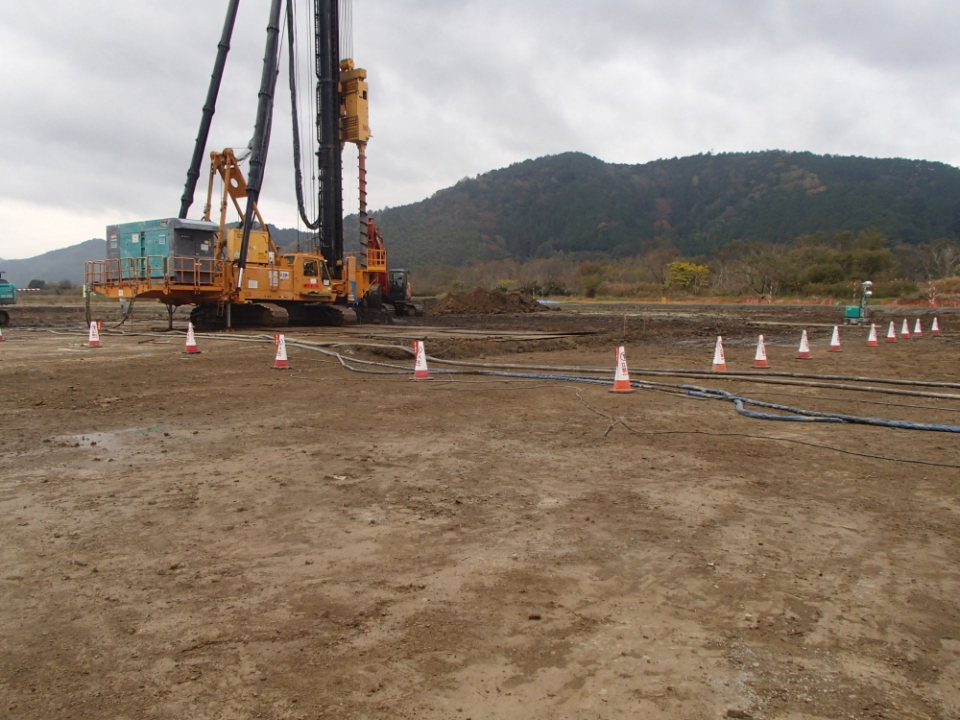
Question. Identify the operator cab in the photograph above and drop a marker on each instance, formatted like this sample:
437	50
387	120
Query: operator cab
399	285
309	272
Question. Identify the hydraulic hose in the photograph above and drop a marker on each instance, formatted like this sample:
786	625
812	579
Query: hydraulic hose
677	372
800	415
295	122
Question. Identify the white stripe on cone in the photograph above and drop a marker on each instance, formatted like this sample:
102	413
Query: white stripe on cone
892	333
280	363
1	333
872	337
917	329
935	328
835	340
93	340
905	329
719	361
420	365
191	346
621	378
804	352
760	361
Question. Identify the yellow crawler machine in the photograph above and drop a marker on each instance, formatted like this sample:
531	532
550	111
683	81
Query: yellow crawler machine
275	289
236	274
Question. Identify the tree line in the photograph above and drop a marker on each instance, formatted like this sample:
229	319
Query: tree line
817	265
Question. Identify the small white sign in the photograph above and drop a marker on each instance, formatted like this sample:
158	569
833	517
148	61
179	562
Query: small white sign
252	285
121	293
284	275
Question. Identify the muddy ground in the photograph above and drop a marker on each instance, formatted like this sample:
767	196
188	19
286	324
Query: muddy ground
206	537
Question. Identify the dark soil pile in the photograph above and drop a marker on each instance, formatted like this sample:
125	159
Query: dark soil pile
484	302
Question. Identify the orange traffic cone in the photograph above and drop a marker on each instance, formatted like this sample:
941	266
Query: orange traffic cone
281	361
719	361
93	339
1	333
872	337
761	359
892	333
804	352
917	329
621	379
191	347
835	340
420	365
905	330
935	328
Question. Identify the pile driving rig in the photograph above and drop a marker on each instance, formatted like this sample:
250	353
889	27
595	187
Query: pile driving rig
237	275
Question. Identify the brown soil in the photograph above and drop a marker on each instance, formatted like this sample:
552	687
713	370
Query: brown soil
484	302
205	537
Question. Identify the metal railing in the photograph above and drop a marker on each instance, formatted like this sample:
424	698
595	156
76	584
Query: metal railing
197	272
154	270
376	258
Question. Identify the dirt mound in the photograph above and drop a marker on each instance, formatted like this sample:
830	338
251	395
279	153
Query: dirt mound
484	302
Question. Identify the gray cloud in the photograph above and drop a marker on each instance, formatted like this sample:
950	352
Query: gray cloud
101	99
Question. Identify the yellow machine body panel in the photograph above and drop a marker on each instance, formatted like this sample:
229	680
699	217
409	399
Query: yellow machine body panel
259	249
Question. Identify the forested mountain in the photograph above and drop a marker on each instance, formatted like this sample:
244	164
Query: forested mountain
585	209
577	205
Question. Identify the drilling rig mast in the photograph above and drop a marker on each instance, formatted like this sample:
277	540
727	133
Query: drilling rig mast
238	275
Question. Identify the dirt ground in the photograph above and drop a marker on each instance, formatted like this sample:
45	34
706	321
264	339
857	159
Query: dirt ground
205	537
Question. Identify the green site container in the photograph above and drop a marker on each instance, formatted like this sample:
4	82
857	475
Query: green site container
158	240
854	312
8	292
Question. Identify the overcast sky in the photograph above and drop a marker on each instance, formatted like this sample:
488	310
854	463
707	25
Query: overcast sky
100	99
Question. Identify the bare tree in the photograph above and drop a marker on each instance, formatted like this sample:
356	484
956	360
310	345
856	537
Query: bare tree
657	260
764	268
939	258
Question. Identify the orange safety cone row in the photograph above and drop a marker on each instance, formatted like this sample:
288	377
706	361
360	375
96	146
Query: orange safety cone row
191	346
835	340
905	330
719	361
621	378
761	359
804	352
420	364
917	329
892	333
872	337
280	363
93	339
935	328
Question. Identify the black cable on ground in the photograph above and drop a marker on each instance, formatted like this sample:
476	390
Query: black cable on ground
856	400
820	446
678	372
